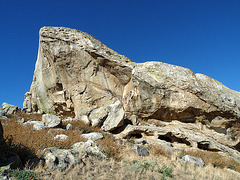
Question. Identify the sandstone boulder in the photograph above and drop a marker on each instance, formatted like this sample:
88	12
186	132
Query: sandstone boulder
75	71
115	117
51	120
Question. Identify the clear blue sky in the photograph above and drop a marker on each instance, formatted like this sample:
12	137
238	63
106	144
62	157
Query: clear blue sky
202	35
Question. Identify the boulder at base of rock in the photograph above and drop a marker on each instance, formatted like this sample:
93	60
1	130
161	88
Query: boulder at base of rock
115	117
92	136
51	120
60	159
194	160
99	115
88	148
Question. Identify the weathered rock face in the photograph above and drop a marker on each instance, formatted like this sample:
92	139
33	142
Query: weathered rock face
77	73
168	92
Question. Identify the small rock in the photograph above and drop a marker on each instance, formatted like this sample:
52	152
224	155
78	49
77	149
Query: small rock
141	141
85	119
69	126
39	125
134	119
51	120
61	137
20	121
68	119
194	160
142	151
92	136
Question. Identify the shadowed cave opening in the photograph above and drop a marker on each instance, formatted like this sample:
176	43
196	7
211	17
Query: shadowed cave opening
205	146
169	137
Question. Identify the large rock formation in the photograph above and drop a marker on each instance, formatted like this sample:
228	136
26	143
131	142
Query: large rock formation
77	73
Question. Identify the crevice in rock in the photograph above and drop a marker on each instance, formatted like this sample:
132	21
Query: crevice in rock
206	146
120	129
169	137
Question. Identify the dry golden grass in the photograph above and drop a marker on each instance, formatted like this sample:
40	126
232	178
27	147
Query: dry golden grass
118	170
110	147
216	159
26	142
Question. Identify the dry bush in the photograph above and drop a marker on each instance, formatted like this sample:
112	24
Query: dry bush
158	151
83	127
25	142
110	147
215	158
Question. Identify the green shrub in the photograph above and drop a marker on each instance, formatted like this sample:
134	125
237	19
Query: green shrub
23	174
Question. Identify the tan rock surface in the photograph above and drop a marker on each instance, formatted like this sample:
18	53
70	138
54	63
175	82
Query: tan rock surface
75	71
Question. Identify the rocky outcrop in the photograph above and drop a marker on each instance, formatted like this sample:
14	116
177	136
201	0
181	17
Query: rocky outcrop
76	73
182	135
10	109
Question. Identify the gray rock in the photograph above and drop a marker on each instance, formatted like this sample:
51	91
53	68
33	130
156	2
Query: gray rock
88	148
115	117
69	126
2	112
10	109
61	137
194	160
92	136
39	125
141	151
51	120
60	159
